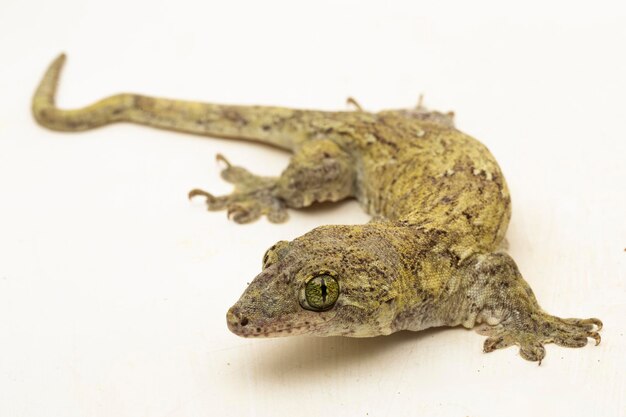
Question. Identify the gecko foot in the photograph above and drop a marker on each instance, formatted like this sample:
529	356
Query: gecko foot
253	196
530	333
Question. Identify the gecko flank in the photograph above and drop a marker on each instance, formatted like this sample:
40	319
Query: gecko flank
431	256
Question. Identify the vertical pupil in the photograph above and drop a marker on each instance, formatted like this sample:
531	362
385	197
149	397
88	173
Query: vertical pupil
324	290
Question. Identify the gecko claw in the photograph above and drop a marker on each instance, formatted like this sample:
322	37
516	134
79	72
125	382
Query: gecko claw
596	337
240	214
198	192
352	102
212	202
420	103
221	158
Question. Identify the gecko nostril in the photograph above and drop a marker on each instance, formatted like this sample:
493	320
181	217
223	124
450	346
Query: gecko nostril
244	321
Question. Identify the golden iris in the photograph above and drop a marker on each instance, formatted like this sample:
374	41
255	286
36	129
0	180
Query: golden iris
321	292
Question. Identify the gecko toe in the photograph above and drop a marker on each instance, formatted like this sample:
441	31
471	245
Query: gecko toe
198	192
596	336
242	213
278	214
495	342
592	322
532	351
212	202
571	341
239	176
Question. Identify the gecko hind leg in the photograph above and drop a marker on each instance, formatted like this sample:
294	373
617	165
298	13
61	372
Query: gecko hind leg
253	196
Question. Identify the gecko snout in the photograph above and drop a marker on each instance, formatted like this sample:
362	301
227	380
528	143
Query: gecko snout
236	320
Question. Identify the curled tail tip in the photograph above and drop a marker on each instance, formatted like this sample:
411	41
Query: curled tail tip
43	100
56	65
47	114
47	85
60	59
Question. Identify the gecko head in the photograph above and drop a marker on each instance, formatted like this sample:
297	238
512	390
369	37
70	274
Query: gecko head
334	280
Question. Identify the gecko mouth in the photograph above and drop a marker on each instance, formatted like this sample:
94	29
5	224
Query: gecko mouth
242	326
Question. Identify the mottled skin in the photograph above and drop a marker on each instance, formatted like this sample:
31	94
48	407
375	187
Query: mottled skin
431	256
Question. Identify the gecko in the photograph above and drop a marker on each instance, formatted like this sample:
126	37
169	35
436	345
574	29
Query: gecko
432	255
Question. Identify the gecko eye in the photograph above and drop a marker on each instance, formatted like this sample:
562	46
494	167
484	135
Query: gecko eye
321	292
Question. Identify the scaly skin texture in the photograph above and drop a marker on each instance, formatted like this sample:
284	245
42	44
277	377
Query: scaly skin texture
431	256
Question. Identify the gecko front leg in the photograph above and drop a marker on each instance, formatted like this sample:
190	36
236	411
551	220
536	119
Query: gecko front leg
504	301
318	171
253	196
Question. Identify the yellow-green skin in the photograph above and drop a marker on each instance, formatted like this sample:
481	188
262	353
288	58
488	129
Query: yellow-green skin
432	254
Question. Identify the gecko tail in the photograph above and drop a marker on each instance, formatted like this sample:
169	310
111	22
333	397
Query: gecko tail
109	110
276	126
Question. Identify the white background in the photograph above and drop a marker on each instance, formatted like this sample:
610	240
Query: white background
114	288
